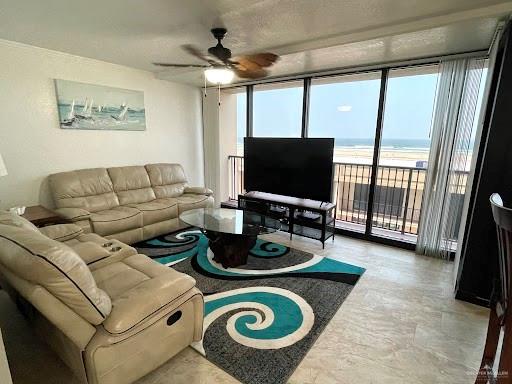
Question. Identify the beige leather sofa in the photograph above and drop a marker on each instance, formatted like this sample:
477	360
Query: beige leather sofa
111	314
129	204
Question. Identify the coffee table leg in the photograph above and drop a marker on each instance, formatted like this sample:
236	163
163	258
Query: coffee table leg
230	250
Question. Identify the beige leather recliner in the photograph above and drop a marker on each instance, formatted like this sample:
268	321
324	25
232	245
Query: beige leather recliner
130	204
111	314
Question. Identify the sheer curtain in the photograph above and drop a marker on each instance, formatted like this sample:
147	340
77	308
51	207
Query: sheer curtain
451	142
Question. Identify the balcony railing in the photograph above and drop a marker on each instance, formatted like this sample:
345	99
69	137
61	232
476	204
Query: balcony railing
397	201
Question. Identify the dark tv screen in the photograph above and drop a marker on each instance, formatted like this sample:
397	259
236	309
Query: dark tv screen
291	167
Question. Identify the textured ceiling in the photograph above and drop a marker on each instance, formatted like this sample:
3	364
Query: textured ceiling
310	35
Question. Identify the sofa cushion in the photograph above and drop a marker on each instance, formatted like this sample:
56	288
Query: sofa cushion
139	287
73	214
34	257
199	191
131	184
89	189
157	210
189	201
167	180
112	250
116	220
90	252
62	232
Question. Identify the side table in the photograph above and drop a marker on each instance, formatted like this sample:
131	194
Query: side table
41	216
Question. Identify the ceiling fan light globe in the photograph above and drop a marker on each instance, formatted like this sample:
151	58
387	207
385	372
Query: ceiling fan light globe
219	76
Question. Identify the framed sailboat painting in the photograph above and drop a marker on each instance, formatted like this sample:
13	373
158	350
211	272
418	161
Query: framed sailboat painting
98	107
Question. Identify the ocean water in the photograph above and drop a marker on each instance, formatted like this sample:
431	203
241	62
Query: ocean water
385	143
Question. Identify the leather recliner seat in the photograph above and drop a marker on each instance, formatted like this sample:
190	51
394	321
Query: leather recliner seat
130	204
112	315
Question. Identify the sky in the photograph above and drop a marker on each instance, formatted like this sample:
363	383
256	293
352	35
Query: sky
348	110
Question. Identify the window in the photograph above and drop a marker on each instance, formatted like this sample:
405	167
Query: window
404	148
277	109
345	107
410	97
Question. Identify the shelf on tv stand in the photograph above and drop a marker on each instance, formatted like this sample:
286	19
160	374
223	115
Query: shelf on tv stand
289	211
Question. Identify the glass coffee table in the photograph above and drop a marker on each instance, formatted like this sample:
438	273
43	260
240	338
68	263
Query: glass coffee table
231	232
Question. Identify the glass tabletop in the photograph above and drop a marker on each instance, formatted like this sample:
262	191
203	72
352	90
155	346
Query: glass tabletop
233	221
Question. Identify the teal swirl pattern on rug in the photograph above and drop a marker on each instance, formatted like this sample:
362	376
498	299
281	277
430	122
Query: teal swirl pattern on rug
287	313
260	318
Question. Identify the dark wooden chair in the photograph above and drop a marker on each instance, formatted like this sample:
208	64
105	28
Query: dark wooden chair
500	316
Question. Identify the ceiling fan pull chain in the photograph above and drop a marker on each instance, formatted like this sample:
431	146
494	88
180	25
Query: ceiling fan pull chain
219	93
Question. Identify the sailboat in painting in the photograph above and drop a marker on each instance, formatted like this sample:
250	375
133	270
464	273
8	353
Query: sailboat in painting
89	110
85	113
122	115
71	115
86	105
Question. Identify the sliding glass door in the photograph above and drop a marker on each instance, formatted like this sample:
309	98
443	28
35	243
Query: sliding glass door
346	108
277	109
404	151
381	122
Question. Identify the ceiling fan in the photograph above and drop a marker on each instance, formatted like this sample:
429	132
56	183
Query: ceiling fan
221	67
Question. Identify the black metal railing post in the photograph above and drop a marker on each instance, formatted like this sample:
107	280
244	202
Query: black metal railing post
406	207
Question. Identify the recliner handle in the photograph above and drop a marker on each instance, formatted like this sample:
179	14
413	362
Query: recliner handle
174	318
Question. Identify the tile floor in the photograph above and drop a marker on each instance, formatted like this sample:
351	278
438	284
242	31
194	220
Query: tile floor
400	324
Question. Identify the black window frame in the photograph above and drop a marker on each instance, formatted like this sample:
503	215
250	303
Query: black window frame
307	80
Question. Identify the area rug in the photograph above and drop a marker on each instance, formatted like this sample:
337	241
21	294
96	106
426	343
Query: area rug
261	318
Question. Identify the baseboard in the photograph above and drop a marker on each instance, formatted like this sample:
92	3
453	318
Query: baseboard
472	298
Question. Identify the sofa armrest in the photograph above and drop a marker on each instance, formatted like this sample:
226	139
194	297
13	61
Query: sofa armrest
145	299
73	214
198	191
61	232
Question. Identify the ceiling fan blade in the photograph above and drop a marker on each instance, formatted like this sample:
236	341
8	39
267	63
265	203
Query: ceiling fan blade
246	73
181	65
264	59
245	65
196	52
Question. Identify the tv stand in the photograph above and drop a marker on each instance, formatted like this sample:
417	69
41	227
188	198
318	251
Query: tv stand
304	217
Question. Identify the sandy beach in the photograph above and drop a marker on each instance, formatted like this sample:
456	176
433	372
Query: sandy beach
391	156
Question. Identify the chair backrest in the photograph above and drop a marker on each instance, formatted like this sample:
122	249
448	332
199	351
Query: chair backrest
29	255
131	184
503	219
167	180
100	189
89	189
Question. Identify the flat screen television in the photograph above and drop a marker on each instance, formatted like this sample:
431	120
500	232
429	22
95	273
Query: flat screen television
291	167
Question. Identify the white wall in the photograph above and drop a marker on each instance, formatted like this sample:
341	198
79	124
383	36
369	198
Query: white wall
220	140
227	142
211	143
33	145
